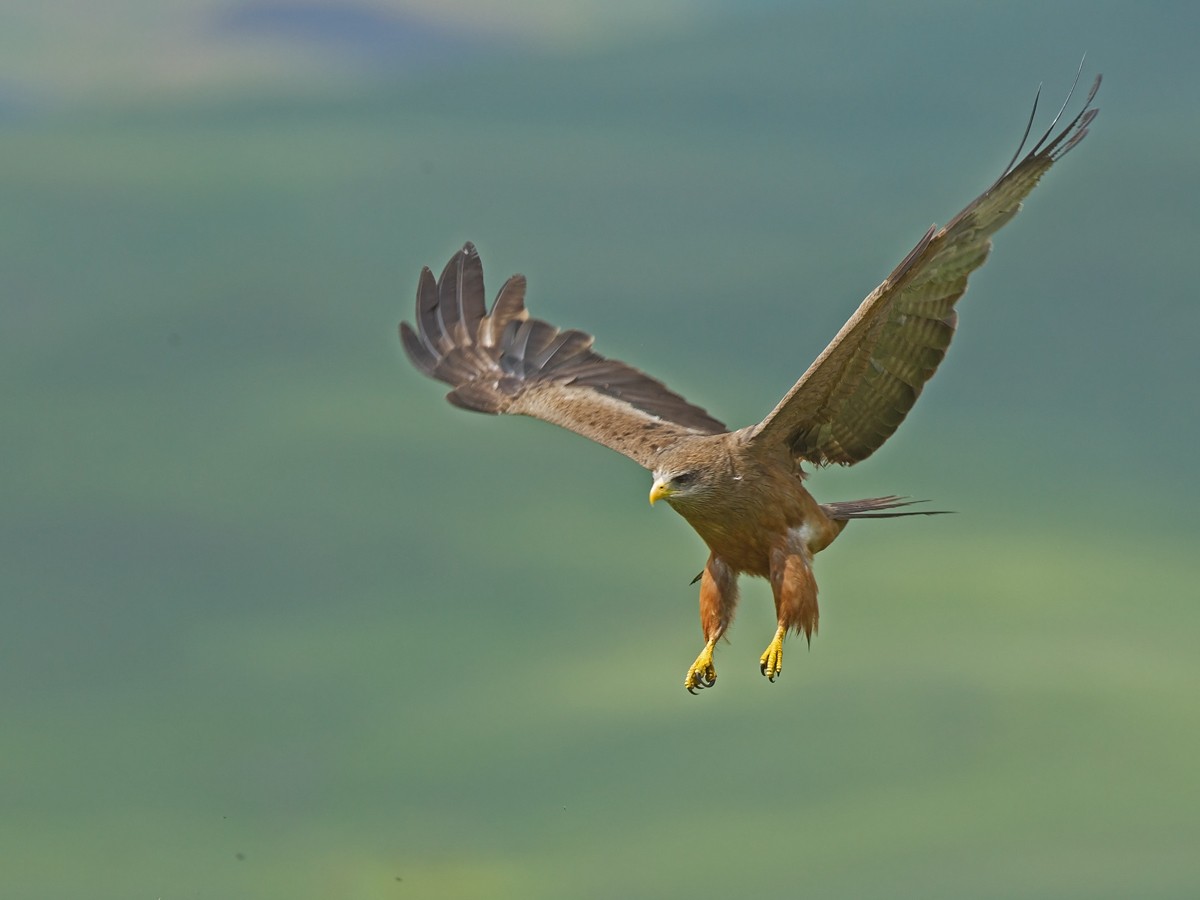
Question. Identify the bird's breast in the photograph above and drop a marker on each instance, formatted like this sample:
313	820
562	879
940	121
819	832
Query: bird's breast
752	513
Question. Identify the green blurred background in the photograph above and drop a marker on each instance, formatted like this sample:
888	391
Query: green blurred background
278	622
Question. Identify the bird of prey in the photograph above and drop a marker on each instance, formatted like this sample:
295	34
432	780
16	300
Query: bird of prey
742	490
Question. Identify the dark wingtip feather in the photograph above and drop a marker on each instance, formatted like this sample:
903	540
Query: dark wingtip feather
417	352
509	306
1052	146
447	298
470	307
428	327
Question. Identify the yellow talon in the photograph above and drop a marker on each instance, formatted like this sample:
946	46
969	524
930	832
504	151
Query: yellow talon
771	663
702	674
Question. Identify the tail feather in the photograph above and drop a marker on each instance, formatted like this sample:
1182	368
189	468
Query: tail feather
875	508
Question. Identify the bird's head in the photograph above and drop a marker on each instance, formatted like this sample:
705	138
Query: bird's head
677	486
693	473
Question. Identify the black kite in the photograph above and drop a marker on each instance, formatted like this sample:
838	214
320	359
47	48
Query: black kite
741	490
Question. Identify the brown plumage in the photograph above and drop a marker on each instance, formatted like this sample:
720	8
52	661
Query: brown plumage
741	490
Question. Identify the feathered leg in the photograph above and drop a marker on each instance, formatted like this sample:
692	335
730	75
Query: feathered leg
795	592
718	599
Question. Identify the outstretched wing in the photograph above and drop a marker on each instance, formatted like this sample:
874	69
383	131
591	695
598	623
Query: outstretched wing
856	393
506	362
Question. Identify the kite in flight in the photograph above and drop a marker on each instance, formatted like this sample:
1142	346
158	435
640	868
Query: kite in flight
743	490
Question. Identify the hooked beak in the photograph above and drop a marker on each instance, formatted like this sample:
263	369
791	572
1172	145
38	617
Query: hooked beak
660	491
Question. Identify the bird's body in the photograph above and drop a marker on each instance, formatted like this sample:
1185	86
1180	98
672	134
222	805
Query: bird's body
741	490
757	519
747	502
752	502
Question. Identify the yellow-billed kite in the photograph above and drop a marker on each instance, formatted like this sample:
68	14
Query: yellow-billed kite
741	490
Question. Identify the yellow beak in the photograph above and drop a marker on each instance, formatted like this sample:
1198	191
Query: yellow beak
659	491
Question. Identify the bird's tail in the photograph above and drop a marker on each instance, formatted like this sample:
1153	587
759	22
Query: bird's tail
876	508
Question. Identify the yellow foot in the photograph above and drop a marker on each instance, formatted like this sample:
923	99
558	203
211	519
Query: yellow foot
703	673
771	663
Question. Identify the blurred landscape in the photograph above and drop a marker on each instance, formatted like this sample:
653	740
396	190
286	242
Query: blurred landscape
277	621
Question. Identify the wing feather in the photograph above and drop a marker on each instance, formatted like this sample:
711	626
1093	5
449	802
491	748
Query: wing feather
858	391
509	307
428	322
506	362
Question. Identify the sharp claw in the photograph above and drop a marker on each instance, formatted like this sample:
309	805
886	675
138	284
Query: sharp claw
702	673
771	662
698	681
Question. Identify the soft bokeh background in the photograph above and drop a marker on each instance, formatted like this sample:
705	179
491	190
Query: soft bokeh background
278	622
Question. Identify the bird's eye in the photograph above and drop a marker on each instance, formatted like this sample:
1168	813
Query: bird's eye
683	478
